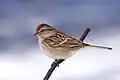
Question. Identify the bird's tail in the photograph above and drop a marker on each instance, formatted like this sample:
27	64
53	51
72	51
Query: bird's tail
102	47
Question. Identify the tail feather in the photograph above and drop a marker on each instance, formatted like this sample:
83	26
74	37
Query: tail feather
102	47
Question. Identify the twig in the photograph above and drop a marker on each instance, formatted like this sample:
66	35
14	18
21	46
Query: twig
84	34
53	66
57	62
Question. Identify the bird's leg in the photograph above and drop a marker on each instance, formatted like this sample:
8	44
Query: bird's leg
55	63
55	60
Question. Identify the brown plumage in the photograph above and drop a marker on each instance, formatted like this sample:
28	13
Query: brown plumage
58	45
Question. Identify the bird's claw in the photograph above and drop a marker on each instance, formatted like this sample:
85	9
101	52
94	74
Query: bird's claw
56	63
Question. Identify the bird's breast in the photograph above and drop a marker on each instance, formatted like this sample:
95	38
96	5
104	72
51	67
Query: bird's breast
55	53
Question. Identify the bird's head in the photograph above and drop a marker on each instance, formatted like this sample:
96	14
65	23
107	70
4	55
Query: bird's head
44	30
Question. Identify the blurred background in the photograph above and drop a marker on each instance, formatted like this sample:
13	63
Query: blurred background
21	58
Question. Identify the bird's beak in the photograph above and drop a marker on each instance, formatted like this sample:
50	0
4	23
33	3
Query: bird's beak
37	34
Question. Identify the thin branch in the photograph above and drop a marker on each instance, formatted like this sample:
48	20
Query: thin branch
57	62
84	34
53	66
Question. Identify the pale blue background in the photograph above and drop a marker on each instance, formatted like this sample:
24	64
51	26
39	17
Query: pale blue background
18	46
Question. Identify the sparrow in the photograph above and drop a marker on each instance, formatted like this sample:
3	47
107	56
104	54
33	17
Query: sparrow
59	45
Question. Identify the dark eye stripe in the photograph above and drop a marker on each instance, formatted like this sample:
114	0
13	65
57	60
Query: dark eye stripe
46	30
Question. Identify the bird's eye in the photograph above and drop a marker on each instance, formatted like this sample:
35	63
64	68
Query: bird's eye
42	30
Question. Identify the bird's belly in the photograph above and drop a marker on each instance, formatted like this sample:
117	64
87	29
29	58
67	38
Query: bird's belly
56	53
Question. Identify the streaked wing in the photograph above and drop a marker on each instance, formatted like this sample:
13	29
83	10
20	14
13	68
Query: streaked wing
55	40
60	40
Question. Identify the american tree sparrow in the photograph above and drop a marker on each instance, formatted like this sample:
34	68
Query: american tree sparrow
58	45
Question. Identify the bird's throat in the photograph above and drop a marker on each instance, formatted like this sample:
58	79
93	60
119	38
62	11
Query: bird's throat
40	39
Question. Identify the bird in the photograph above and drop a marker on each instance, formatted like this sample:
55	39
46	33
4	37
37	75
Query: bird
59	45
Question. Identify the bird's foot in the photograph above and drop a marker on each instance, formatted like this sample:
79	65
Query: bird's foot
55	62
